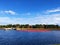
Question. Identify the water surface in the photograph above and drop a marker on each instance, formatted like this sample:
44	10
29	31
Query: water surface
13	37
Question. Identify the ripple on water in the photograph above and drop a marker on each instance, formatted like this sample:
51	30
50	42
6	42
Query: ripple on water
13	37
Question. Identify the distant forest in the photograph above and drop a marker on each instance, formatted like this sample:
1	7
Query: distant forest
29	26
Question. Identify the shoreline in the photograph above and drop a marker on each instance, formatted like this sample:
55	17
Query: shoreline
34	30
31	29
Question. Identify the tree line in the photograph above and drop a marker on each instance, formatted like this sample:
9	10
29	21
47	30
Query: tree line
29	26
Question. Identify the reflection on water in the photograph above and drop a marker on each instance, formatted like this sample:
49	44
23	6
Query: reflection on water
13	37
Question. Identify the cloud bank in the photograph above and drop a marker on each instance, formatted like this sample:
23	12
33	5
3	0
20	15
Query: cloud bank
53	18
46	19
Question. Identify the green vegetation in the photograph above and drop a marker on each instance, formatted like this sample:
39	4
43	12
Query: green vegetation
31	26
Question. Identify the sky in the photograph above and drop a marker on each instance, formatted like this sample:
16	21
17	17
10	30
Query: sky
29	12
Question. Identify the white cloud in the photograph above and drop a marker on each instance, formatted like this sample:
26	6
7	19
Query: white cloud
53	10
45	19
39	19
8	12
11	12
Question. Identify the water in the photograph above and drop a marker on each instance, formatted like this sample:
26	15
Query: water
13	37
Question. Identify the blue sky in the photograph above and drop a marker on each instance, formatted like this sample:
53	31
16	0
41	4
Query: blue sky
29	12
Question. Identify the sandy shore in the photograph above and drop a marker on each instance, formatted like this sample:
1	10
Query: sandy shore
34	30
